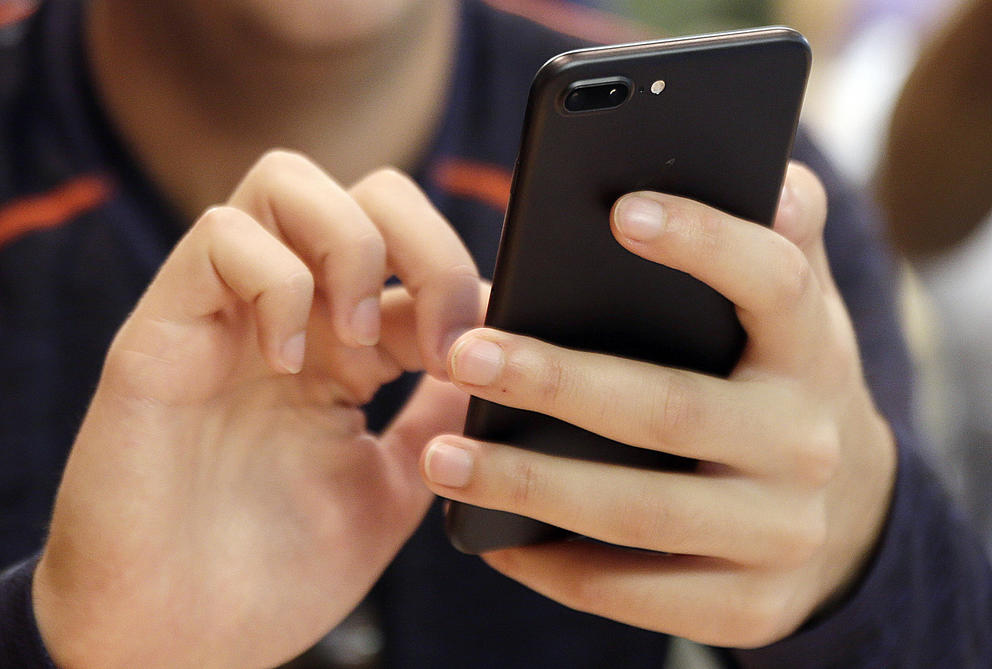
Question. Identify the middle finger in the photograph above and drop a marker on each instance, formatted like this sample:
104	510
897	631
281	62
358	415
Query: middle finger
765	275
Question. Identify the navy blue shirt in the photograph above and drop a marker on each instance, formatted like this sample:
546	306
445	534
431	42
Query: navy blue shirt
82	233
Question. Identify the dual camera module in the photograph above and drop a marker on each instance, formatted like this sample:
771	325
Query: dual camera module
603	94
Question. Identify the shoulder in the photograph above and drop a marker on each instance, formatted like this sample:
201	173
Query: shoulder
43	184
565	22
17	20
502	45
20	93
16	17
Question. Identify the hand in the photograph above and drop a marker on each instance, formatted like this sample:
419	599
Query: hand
223	504
797	465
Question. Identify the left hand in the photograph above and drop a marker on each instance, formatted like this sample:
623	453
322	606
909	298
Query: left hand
797	465
224	504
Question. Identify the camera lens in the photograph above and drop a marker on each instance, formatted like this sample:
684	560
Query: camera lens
596	96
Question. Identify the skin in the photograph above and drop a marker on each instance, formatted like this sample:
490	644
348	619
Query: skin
797	464
232	79
223	480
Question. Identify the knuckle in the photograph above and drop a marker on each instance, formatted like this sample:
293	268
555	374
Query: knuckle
792	279
525	484
373	254
815	193
218	221
705	232
818	457
371	248
390	174
674	412
649	527
462	271
278	170
801	538
387	178
551	381
276	163
752	617
298	281
366	248
361	390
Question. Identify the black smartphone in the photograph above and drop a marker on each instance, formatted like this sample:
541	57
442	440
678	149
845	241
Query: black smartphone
711	118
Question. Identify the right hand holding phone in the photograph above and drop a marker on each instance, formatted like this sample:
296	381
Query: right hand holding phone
797	465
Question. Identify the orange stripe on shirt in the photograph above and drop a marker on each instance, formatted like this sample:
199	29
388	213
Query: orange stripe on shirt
586	23
12	11
47	210
487	183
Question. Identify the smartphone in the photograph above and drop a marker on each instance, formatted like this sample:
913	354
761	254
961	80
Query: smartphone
711	118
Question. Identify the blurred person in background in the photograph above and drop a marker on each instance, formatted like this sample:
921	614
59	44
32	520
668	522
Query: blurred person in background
863	50
935	184
684	18
246	471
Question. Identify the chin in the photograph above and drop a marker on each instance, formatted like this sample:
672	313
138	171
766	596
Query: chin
320	24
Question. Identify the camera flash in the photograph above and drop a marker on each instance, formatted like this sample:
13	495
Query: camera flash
657	87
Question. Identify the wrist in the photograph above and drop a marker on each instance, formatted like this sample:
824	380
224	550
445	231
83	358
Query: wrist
74	631
53	617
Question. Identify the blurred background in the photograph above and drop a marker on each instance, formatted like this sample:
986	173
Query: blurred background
863	50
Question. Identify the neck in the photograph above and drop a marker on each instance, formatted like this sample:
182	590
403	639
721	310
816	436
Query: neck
220	100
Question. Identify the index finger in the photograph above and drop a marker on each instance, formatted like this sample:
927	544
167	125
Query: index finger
302	205
767	276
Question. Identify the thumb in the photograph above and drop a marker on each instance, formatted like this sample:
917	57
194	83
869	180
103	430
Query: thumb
436	407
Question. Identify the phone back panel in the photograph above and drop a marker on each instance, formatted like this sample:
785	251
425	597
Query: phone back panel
720	132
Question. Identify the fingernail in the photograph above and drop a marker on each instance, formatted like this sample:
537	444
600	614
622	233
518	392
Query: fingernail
448	465
450	339
365	322
477	362
639	218
292	352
